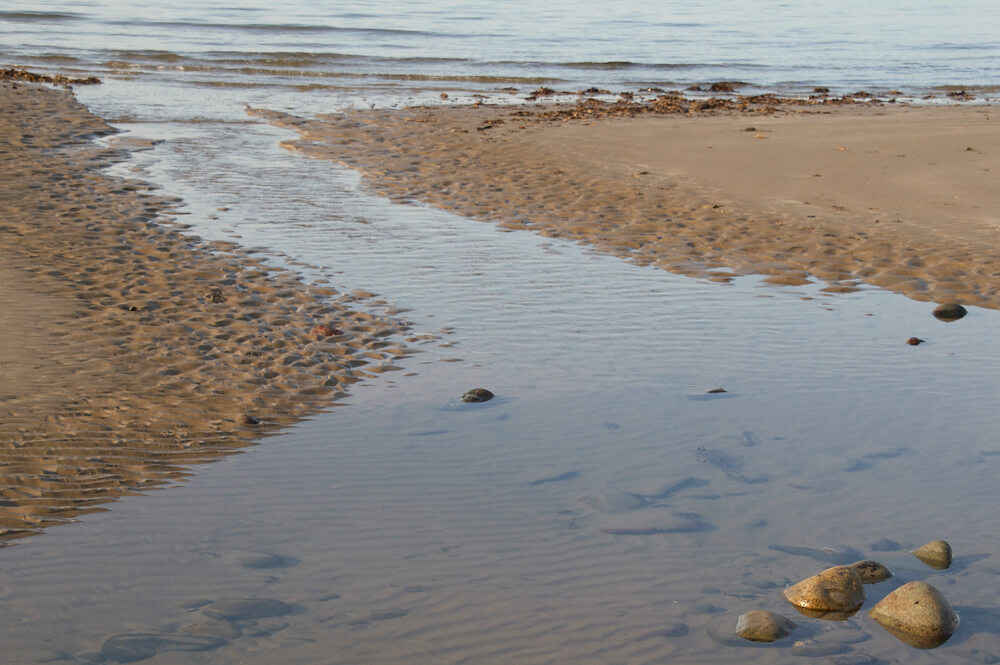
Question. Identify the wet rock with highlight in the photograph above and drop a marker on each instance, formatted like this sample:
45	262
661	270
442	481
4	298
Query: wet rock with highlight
936	554
949	312
835	593
918	614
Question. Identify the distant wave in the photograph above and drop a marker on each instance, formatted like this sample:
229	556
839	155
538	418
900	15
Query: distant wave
275	27
38	16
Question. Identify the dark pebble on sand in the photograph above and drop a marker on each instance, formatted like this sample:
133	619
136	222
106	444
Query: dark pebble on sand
247	419
913	341
950	312
477	395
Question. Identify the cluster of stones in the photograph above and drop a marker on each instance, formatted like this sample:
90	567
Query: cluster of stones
13	74
916	613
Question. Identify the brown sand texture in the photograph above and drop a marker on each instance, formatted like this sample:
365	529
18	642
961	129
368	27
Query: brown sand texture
902	197
129	350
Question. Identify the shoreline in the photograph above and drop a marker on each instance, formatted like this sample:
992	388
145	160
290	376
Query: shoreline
131	350
834	189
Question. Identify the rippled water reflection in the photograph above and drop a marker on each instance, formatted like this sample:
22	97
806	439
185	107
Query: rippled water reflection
603	508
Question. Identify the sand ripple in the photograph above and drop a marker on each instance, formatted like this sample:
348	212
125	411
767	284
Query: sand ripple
129	350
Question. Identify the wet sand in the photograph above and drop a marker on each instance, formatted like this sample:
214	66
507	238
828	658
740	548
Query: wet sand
129	349
892	195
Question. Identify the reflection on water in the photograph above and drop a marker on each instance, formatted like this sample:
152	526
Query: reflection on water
593	511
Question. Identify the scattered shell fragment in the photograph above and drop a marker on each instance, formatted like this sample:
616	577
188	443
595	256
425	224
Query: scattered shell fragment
936	554
477	395
871	572
950	312
763	626
836	593
917	614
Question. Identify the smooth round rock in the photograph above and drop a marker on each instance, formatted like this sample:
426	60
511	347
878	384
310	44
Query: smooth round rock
917	614
477	395
949	312
871	572
763	626
936	554
836	593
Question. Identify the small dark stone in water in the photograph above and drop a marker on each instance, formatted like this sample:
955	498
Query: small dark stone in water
913	341
247	419
950	312
477	395
716	391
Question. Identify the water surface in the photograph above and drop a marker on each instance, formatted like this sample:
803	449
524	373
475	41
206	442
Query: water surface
603	508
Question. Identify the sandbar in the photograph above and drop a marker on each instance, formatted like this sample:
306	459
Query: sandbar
130	349
897	195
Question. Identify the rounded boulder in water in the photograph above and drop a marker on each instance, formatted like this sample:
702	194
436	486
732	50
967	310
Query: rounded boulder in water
763	626
936	554
836	593
918	614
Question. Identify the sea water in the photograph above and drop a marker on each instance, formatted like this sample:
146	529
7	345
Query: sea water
604	507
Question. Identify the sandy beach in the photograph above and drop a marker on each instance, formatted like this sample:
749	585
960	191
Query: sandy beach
835	189
128	348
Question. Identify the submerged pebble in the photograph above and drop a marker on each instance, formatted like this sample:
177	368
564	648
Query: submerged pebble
918	614
835	593
936	554
763	626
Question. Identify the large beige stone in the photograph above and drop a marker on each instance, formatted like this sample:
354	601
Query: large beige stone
917	614
936	554
835	593
763	626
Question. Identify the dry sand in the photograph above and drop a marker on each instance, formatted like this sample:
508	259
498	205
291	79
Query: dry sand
903	197
129	349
